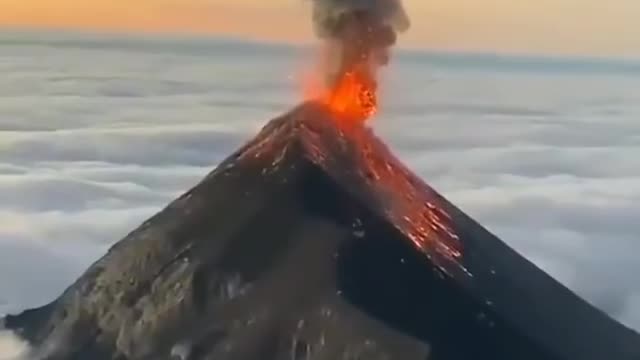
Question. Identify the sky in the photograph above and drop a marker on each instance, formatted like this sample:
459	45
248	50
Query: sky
575	27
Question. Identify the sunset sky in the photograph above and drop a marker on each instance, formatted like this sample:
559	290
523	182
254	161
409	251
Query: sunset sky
584	27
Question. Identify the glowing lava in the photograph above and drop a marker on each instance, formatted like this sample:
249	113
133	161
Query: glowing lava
353	98
349	63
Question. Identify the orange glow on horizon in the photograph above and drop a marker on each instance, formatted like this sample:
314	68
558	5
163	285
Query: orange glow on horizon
544	26
165	16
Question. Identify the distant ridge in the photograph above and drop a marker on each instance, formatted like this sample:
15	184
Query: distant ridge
210	44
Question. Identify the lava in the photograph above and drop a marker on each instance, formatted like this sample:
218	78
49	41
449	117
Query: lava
353	99
359	45
408	202
349	90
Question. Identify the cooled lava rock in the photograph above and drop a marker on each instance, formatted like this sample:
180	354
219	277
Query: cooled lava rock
312	242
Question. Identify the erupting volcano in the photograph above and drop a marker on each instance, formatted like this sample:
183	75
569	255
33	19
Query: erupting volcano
313	242
358	37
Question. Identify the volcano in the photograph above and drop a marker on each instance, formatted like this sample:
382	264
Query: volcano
313	242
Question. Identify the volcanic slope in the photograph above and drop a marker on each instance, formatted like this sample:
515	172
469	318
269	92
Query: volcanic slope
312	242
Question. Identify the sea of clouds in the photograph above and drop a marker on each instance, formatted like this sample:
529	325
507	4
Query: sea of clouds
99	133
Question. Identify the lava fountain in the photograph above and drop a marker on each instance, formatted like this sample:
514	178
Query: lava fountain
358	36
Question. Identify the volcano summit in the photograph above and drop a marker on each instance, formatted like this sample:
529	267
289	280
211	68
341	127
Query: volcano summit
312	242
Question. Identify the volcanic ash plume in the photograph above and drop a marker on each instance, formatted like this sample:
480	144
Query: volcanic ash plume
327	14
359	34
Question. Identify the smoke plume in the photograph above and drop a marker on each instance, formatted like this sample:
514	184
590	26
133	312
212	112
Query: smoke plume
329	15
359	35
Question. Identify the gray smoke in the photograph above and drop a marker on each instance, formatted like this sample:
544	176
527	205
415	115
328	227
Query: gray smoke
328	15
359	35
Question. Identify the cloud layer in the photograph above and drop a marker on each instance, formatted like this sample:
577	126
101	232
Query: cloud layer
98	134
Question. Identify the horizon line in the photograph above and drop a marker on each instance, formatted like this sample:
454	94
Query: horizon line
203	36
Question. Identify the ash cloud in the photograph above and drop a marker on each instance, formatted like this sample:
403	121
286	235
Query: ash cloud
327	14
359	34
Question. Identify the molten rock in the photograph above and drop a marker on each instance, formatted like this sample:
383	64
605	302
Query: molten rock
312	242
359	36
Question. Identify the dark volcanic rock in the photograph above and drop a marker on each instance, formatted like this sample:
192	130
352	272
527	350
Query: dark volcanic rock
313	242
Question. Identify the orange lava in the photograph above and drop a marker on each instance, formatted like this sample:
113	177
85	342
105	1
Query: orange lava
353	98
410	203
366	168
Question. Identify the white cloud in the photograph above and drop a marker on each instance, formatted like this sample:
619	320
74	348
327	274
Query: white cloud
96	137
12	348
